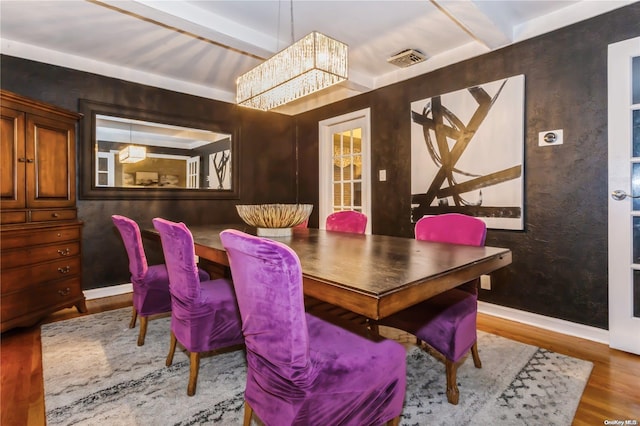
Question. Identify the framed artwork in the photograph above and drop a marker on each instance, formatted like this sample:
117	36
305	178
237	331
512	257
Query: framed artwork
467	153
146	178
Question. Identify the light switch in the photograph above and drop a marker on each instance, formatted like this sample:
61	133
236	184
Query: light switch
382	175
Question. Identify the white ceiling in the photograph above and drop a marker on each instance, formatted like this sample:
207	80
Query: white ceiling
201	47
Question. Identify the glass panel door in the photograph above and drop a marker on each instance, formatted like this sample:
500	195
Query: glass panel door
624	187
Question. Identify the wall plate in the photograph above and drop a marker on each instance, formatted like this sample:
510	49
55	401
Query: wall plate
550	138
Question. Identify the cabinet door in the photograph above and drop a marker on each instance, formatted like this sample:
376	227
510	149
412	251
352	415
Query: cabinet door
12	159
50	151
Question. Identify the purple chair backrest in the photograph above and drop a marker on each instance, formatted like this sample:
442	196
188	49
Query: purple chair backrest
132	239
267	279
180	258
347	221
452	228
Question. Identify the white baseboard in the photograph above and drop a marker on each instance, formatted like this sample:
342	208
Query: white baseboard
114	290
547	323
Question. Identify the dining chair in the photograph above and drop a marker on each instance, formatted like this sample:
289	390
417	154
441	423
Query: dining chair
447	322
347	221
150	282
301	369
204	314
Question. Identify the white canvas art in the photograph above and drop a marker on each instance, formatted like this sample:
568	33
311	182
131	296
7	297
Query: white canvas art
467	153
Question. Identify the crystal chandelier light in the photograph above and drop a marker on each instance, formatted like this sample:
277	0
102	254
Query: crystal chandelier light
132	154
313	63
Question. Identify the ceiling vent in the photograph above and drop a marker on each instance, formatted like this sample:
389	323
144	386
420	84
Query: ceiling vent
407	58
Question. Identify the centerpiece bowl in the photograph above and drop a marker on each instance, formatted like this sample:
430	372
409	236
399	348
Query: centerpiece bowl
274	220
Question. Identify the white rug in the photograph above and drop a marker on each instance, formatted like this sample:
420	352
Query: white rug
95	374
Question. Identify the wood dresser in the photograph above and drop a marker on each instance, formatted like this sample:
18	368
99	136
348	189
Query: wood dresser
40	234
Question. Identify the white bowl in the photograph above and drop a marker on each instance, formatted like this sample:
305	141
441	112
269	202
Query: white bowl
274	219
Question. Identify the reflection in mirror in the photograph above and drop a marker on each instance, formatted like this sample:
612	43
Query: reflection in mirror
142	154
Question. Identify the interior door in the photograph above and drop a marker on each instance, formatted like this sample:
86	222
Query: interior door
344	166
624	190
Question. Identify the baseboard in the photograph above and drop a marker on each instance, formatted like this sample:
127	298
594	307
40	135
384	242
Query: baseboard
547	323
114	290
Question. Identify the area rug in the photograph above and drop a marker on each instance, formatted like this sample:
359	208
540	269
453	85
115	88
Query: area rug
95	374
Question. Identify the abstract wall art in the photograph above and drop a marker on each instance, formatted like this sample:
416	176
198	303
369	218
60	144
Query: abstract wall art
467	153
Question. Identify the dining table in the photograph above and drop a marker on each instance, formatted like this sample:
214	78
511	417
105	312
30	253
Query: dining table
370	275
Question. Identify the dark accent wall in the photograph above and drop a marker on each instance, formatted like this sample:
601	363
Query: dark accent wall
266	145
560	259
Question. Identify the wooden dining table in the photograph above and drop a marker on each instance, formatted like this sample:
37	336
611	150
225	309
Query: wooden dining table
371	275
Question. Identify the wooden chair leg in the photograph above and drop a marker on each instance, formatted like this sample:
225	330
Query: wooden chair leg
393	422
193	372
452	388
143	330
248	413
172	350
134	316
476	356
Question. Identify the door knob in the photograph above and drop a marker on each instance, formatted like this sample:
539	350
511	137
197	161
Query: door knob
620	195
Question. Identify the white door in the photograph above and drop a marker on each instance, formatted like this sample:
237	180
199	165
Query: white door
105	169
624	191
193	172
344	165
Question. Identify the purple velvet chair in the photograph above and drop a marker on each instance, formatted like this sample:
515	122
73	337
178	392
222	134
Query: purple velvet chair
150	283
447	322
347	221
301	369
204	315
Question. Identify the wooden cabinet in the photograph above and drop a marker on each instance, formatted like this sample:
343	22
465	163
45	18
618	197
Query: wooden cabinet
40	234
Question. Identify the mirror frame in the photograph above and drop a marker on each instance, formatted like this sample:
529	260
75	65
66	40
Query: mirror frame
87	156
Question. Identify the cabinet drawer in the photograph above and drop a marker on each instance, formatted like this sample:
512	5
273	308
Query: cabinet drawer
40	296
32	255
46	236
16	279
47	215
13	217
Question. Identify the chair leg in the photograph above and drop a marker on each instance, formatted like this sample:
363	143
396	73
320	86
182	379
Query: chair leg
393	422
193	372
452	388
143	330
172	350
134	316
248	413
476	356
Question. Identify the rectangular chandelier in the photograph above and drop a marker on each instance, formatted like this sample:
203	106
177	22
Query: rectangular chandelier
313	63
132	154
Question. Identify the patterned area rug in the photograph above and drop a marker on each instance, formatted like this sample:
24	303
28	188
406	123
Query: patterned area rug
94	374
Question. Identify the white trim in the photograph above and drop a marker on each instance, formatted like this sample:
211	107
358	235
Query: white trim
114	290
546	323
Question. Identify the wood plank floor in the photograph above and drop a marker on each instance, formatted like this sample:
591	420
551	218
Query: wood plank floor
612	393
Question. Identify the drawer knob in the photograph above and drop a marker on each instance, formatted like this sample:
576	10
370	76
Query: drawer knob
64	252
64	292
55	215
64	270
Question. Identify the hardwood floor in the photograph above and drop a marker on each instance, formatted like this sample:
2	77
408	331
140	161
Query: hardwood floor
612	392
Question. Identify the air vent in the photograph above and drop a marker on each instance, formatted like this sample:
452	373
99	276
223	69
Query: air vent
407	58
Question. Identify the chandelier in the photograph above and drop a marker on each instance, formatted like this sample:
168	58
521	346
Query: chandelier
132	154
313	63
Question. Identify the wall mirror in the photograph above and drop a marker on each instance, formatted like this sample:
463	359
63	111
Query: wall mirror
131	153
